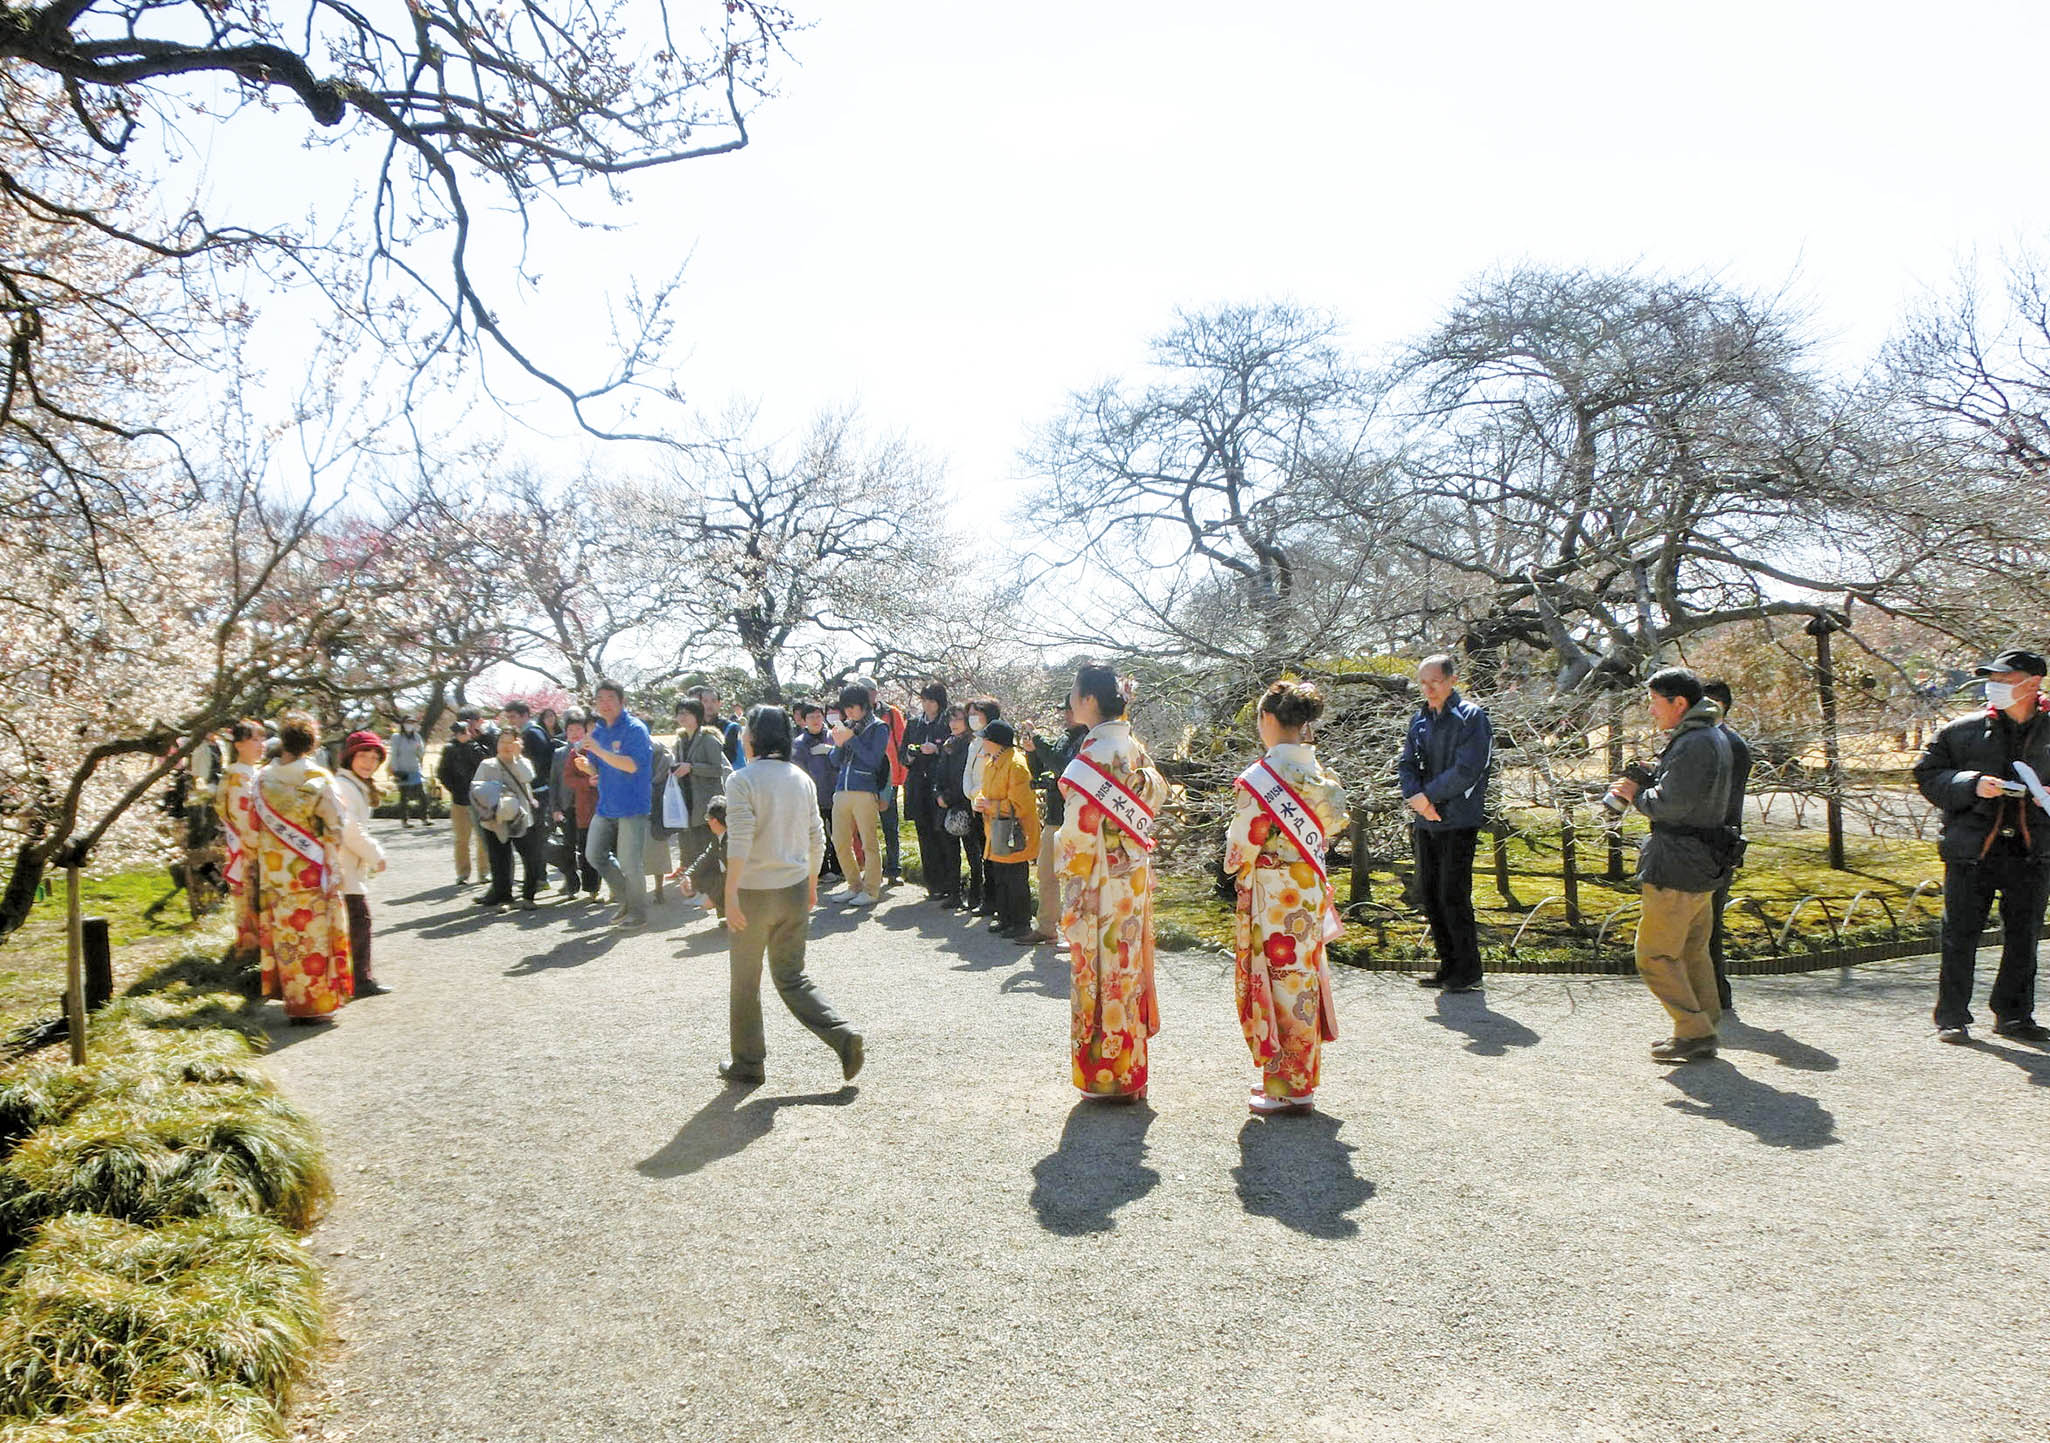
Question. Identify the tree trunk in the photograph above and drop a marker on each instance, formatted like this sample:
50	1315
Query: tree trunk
1615	834
1832	754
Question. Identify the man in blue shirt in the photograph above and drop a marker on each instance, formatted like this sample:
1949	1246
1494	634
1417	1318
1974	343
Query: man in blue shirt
1444	776
861	761
619	752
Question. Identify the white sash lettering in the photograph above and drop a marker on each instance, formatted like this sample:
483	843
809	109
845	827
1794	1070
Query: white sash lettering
1089	781
294	836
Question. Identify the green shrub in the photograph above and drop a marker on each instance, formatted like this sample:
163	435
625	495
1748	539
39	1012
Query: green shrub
102	1312
158	1150
229	1417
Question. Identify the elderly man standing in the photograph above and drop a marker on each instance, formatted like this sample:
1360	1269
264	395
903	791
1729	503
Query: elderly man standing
1444	777
1996	842
1685	861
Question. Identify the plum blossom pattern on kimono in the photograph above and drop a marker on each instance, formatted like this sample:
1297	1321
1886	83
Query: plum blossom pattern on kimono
1282	977
1107	922
302	922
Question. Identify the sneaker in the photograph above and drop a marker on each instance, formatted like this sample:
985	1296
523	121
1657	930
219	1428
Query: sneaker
738	1076
526	904
861	899
1955	1036
2022	1029
1683	1049
627	921
1434	980
852	1056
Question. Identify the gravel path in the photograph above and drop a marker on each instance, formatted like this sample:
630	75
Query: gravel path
554	1224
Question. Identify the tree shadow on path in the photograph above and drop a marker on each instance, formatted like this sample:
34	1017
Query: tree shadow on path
1293	1168
1719	1092
725	1125
1489	1034
1787	1051
1097	1169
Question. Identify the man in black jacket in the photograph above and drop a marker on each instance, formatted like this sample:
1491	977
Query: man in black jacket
1685	861
467	747
1733	818
1996	841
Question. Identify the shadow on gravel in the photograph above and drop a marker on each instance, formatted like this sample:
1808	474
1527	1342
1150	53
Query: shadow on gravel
2035	1064
1099	1166
1735	1036
1488	1034
725	1125
1296	1171
572	951
1718	1092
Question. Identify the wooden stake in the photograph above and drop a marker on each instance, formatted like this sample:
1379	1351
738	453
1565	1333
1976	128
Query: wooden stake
74	966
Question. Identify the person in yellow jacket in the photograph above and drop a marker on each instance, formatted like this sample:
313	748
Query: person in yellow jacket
1005	797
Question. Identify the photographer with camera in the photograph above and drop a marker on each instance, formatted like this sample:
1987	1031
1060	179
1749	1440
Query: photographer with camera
1686	860
1996	841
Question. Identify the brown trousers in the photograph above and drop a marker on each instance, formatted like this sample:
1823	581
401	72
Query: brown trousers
1672	957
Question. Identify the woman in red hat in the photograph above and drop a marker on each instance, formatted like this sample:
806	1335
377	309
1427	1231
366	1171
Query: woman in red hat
362	754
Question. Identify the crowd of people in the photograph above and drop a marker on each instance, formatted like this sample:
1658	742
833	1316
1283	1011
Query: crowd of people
763	809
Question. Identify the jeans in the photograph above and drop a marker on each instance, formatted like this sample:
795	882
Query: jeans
616	848
777	923
2022	884
1444	877
412	793
893	837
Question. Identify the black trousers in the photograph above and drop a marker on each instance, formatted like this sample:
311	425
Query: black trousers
942	851
978	879
1008	890
358	907
893	836
830	866
412	798
2022	884
1444	878
527	848
1715	947
578	875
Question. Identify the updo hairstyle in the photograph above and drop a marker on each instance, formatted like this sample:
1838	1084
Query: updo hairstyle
1293	703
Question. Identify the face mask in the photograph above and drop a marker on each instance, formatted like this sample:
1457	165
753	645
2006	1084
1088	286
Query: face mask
976	726
2000	695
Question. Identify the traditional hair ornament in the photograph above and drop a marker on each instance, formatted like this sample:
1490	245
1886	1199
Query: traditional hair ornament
1128	688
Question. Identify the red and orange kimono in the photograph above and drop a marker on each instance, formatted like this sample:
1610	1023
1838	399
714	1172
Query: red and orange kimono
302	922
1106	872
238	828
1285	917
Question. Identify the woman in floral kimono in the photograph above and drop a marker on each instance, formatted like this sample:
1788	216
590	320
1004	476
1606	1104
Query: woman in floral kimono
1105	861
302	921
238	830
1286	806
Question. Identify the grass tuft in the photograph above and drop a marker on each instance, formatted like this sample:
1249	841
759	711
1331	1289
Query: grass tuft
231	1416
223	1311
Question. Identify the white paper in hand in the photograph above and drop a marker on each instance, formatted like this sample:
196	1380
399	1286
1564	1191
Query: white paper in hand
2034	783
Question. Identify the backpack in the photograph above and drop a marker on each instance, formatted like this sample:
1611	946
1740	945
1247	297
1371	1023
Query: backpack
898	771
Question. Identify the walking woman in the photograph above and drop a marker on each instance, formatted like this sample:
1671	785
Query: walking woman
236	803
1106	870
1286	806
362	858
302	924
775	841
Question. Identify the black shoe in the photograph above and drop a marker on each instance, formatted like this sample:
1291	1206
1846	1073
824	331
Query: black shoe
2022	1029
1955	1036
1001	929
372	988
1434	980
487	900
309	1021
1683	1049
1461	986
739	1076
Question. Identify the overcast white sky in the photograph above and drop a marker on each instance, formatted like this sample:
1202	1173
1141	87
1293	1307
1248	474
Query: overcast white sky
957	213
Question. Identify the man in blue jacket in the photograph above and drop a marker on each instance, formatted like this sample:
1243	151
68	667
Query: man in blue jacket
1444	776
861	758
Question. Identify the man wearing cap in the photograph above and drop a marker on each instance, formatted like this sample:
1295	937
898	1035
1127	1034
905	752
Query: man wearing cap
1996	841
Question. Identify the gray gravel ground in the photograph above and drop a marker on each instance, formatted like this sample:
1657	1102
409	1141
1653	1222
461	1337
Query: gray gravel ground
555	1224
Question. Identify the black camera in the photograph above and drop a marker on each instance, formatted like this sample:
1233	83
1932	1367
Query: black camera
1637	772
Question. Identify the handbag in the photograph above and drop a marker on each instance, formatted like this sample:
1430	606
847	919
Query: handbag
1006	835
675	812
959	822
